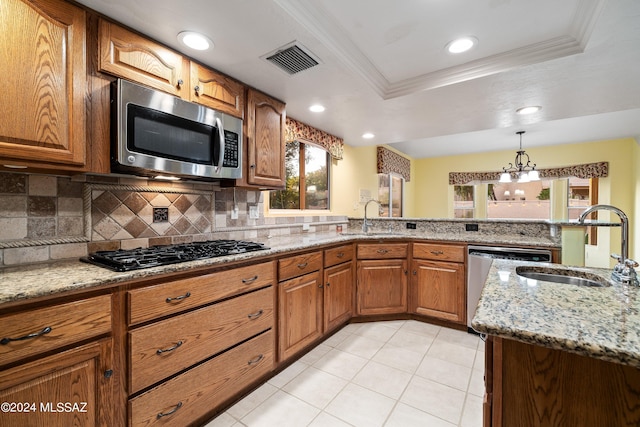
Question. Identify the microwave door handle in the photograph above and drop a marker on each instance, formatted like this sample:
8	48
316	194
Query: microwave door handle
218	168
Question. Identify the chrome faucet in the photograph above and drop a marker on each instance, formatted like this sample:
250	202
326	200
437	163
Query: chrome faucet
624	271
365	224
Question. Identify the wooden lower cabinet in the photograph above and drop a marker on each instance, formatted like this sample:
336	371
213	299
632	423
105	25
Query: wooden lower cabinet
530	386
338	295
192	395
299	313
381	286
169	346
71	388
438	290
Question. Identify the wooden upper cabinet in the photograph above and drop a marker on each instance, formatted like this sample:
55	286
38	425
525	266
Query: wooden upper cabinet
265	126
126	54
43	64
216	91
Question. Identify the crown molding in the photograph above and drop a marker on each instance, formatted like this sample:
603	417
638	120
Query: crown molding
320	23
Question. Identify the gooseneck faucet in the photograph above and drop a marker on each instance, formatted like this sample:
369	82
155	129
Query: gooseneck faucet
365	224
624	271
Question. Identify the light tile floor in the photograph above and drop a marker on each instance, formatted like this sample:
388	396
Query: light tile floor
393	374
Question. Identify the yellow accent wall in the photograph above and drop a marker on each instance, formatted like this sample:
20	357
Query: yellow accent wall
434	198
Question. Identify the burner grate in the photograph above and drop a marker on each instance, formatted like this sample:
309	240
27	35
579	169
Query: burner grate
134	259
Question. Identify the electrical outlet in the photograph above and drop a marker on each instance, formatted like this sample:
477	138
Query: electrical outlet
411	226
234	212
305	226
253	212
471	227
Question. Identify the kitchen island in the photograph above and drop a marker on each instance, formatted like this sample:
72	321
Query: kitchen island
559	354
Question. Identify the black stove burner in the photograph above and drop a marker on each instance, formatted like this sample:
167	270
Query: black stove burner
134	259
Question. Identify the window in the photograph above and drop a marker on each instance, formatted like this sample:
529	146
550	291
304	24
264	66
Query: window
582	193
307	169
530	200
390	194
463	203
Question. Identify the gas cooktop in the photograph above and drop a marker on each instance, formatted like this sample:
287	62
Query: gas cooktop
134	259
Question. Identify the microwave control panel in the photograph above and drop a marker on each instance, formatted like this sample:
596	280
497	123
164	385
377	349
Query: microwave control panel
231	149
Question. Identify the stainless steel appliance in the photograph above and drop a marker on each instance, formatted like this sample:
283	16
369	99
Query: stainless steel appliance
135	259
478	264
157	134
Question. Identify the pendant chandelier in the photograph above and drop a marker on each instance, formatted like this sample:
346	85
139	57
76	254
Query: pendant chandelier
525	172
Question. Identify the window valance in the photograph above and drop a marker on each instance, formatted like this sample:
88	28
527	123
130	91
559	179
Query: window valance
298	131
391	162
587	170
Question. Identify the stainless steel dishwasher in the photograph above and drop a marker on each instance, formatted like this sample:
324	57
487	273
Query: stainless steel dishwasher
478	264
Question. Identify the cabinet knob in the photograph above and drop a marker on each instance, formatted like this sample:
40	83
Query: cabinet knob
437	252
328	284
415	272
180	83
382	251
320	285
108	373
197	90
252	166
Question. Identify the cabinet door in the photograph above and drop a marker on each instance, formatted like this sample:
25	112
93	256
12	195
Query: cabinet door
338	295
216	91
439	290
381	286
133	57
265	141
43	64
300	313
72	388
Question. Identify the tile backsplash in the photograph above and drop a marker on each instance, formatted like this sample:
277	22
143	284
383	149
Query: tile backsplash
45	217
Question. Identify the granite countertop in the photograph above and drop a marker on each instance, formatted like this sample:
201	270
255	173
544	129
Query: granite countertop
598	322
37	280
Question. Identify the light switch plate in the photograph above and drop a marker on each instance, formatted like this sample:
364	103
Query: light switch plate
253	212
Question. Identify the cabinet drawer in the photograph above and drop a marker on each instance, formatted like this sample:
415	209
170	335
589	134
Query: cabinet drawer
438	252
298	265
338	255
383	250
178	295
53	327
187	397
164	348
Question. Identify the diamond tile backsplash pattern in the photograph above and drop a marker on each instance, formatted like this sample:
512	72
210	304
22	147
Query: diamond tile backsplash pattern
118	215
44	218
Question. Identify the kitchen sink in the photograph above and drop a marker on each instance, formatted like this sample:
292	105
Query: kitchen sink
562	275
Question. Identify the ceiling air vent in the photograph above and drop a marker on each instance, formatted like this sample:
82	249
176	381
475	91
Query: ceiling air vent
292	58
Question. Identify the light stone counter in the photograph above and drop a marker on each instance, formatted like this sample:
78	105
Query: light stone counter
25	282
598	322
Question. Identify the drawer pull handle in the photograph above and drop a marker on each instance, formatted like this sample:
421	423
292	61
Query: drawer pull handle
178	298
437	252
44	331
256	359
340	254
382	251
255	315
252	279
176	407
303	265
167	350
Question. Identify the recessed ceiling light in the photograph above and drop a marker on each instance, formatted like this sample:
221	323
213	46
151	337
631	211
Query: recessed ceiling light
462	44
317	108
195	40
368	135
529	109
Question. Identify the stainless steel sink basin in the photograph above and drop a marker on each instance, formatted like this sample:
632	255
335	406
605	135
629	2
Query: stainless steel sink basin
561	275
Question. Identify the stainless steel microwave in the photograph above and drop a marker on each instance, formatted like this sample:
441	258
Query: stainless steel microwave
157	134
